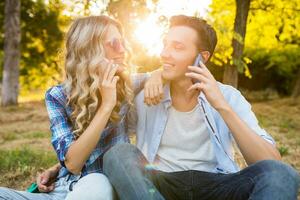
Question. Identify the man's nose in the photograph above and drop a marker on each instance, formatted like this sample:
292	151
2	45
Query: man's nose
165	53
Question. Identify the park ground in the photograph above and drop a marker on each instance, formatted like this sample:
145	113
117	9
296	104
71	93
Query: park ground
25	147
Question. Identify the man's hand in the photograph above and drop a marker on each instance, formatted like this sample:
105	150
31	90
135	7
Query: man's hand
154	88
207	84
46	180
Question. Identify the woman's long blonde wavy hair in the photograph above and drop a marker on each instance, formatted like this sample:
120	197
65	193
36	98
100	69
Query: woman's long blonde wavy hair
83	59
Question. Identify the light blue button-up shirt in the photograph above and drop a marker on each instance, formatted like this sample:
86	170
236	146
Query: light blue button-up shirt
152	121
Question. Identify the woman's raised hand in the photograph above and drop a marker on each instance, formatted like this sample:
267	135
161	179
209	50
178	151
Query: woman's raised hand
108	86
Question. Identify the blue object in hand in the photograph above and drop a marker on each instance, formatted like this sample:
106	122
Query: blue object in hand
197	63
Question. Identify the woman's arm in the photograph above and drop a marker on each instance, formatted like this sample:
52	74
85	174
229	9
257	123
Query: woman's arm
152	83
80	149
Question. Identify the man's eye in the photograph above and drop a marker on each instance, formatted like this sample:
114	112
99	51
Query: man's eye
177	47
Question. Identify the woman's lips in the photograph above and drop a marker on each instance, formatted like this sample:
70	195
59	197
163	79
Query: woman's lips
118	60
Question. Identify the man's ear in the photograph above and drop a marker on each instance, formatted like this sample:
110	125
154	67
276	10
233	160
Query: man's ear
205	55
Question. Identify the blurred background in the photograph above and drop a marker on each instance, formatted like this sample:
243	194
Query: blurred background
258	52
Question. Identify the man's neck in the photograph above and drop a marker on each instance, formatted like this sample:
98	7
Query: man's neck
182	99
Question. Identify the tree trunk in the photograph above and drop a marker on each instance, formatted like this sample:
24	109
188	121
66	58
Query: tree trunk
12	39
296	90
231	72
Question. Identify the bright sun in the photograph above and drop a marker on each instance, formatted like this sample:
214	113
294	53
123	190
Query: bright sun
149	32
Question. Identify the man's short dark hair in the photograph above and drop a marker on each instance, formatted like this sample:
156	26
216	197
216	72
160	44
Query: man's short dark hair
207	37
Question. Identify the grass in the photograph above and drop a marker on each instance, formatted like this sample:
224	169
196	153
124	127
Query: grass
6	137
18	165
25	145
281	118
9	137
24	158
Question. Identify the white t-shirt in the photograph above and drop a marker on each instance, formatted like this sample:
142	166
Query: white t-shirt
186	143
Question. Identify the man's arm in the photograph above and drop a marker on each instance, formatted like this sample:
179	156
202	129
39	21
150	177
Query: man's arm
252	146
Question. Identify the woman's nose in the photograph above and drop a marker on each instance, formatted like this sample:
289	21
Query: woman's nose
121	48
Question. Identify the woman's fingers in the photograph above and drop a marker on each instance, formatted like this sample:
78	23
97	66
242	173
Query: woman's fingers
109	78
161	91
112	72
153	94
146	95
107	70
41	181
115	80
157	95
51	187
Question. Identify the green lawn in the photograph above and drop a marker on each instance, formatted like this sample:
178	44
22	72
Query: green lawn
25	145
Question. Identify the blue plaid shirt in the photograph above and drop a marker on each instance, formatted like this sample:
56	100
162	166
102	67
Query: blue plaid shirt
62	129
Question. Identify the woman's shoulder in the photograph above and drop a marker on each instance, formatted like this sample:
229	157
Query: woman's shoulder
56	92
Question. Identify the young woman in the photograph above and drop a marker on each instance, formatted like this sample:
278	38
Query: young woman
88	111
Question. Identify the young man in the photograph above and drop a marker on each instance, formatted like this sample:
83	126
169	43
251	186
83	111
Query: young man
184	144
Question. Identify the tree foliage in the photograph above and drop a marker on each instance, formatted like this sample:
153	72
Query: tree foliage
272	43
42	36
272	39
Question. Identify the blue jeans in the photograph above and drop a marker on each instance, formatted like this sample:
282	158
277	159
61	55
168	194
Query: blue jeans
129	172
93	186
59	193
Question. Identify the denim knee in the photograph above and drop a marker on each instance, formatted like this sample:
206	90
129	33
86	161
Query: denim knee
279	173
118	153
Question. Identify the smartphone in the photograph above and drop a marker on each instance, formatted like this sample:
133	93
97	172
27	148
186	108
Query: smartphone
198	59
196	63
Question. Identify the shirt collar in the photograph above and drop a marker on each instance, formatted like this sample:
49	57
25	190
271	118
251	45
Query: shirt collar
167	100
202	97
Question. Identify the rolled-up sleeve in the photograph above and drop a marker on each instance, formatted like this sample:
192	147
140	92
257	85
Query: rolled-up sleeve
243	108
60	126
